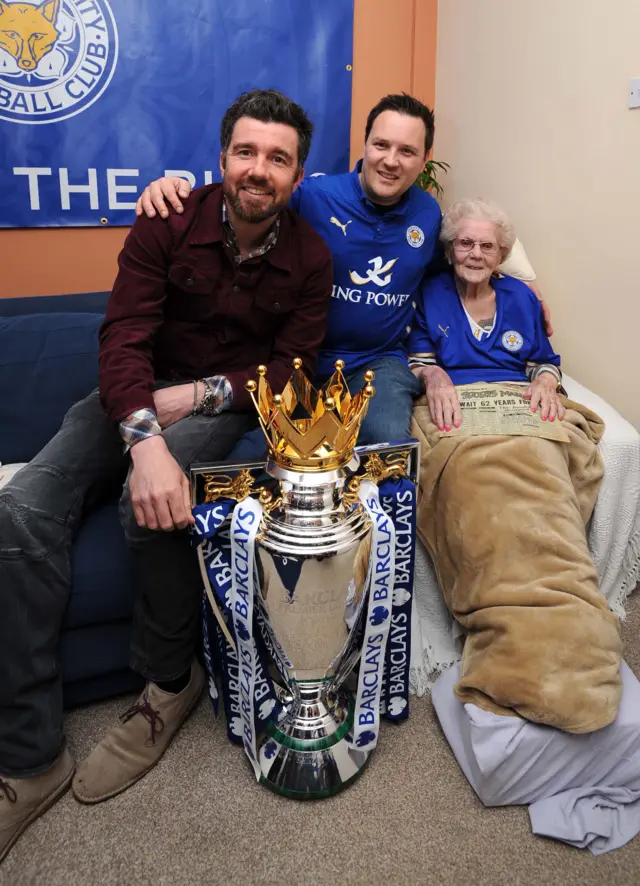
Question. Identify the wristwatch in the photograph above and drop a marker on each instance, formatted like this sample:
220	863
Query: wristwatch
209	404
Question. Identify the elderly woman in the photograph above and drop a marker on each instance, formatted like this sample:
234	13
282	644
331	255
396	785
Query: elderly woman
477	325
503	512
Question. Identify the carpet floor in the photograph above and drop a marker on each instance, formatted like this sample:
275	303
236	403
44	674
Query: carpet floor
200	818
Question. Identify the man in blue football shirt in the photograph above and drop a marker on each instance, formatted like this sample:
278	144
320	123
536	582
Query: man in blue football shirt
382	231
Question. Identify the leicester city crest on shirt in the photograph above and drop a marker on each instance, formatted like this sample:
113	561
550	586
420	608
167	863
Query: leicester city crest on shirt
512	341
56	58
415	236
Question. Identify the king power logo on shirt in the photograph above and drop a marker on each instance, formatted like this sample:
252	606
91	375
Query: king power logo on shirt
379	274
375	273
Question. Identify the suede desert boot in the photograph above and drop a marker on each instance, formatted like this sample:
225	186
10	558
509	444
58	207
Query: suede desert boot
22	800
131	749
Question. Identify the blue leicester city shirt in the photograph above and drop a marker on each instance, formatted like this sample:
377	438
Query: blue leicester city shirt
441	327
379	259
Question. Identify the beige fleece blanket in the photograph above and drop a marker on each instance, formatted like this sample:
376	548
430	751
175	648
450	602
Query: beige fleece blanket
503	518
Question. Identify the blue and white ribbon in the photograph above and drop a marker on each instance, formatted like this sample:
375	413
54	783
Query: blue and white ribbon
366	723
208	648
244	528
398	499
212	531
210	517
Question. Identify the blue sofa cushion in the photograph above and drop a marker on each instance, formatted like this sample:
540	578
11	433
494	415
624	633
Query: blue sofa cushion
84	302
81	692
94	663
92	652
102	581
47	363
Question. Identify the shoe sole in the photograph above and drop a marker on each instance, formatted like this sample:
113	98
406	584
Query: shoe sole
89	801
38	811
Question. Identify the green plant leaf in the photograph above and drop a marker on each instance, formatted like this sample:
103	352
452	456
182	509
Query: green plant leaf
428	178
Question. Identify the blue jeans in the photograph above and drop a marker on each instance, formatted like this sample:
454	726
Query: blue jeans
387	419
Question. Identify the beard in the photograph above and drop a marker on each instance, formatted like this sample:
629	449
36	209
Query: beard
252	209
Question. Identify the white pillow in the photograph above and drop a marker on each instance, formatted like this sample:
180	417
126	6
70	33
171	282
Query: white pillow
7	472
516	264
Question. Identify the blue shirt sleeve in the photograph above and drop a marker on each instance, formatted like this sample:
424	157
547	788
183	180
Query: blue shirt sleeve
296	198
420	341
438	263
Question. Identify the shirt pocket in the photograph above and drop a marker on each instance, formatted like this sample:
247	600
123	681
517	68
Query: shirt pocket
190	280
275	303
191	294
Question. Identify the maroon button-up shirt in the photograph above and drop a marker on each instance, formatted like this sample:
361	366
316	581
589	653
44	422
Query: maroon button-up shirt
181	308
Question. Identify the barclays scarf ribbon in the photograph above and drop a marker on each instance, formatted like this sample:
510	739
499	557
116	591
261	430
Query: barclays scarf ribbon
366	724
212	531
244	528
398	499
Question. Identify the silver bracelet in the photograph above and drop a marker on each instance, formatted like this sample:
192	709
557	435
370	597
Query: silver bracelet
196	408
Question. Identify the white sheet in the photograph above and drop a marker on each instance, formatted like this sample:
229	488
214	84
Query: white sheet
585	789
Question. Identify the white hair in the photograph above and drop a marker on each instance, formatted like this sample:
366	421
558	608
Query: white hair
482	209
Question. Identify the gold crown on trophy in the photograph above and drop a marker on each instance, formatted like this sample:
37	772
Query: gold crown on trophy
309	429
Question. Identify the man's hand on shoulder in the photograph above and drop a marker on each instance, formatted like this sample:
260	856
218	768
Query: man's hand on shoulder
160	493
154	198
546	312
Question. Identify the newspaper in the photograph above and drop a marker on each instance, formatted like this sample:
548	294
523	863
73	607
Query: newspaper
493	408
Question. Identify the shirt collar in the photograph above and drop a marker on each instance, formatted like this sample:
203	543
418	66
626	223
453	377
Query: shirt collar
398	208
209	227
269	241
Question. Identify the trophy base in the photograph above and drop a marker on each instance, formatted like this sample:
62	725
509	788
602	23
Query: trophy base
307	755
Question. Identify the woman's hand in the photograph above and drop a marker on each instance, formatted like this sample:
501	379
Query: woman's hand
442	398
155	196
543	394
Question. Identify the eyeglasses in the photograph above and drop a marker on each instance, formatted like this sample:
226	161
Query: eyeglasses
486	247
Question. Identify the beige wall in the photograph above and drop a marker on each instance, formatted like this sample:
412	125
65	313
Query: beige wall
531	110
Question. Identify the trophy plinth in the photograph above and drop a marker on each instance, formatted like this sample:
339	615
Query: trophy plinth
308	757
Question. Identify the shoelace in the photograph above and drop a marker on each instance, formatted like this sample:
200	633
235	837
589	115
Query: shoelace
143	706
8	791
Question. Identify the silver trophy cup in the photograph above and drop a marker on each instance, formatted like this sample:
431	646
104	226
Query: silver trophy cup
313	553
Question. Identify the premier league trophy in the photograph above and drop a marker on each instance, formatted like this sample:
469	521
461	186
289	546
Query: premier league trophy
310	574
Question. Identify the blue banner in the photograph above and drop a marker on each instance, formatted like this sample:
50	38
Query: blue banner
98	97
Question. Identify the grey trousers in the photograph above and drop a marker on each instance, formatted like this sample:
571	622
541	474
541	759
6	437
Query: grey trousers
40	513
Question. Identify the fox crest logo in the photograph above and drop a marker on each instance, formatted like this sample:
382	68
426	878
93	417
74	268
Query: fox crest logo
56	58
28	32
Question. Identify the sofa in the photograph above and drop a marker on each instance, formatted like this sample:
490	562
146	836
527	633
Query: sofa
48	361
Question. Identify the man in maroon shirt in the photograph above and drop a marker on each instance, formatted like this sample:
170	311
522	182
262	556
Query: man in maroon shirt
234	281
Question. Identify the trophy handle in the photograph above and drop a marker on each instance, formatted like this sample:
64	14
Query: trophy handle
212	599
